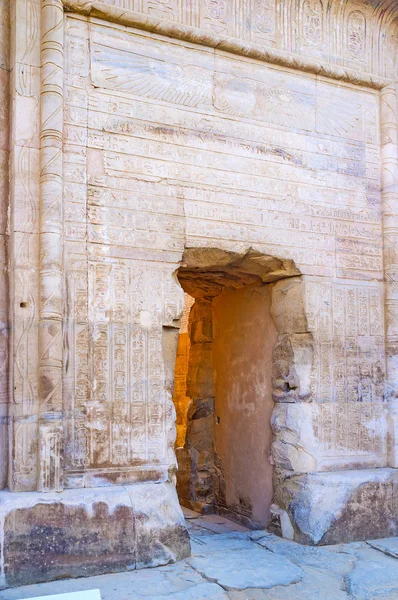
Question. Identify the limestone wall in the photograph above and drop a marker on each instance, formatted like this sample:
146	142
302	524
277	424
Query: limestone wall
354	34
168	145
139	129
190	147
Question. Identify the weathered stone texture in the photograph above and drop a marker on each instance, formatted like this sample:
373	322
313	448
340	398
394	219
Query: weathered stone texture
97	531
147	146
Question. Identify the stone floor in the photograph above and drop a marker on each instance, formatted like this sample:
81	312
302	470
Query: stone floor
231	562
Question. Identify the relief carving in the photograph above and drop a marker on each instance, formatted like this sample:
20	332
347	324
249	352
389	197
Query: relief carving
163	9
313	22
51	275
264	15
150	77
356	35
235	37
217	9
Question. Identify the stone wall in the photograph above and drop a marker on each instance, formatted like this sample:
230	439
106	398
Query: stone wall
140	130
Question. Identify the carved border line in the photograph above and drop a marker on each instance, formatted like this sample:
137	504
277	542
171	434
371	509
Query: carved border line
92	8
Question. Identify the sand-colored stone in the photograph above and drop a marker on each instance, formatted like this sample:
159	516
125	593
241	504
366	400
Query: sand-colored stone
221	149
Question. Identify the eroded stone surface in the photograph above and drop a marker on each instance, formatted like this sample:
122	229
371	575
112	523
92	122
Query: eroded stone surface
389	546
50	536
178	582
342	506
315	584
338	563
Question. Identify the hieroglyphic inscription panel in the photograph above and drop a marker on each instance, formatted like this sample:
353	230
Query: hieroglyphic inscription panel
348	379
118	414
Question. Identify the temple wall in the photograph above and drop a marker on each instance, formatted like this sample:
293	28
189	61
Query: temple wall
139	129
194	149
353	34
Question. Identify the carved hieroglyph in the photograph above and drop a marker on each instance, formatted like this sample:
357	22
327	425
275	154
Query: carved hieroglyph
389	153
320	33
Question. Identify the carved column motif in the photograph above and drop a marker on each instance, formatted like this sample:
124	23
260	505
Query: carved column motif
389	181
51	279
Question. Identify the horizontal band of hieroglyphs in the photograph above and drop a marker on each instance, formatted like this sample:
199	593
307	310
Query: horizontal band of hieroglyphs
165	197
348	236
128	167
124	114
360	257
205	211
201	140
141	212
224	161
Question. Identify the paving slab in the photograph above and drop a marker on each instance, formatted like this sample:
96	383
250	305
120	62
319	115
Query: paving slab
218	524
387	545
332	561
196	532
374	576
314	586
190	514
234	562
202	591
220	543
247	565
164	582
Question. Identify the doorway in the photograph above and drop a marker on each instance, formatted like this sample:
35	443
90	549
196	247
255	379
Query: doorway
223	384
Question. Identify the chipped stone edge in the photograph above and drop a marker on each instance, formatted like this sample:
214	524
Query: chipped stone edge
114	14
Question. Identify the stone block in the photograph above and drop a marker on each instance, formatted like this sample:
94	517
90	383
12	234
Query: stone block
295	446
340	506
293	358
78	533
288	310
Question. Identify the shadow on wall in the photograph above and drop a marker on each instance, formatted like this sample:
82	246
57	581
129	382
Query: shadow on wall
224	382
